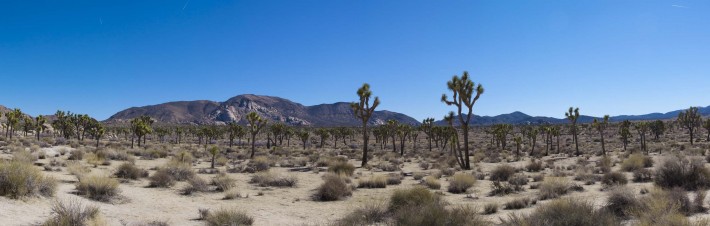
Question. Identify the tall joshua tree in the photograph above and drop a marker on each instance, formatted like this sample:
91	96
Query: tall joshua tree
600	126
39	125
706	125
572	115
625	132
256	123
465	95
12	120
426	127
303	135
690	119
363	111
642	128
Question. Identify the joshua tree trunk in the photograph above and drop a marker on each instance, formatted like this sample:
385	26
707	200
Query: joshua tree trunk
365	137
253	145
601	133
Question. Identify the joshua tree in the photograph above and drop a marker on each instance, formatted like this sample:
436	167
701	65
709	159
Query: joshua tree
657	128
96	130
690	119
450	133
392	131
642	128
706	125
531	132
426	127
518	141
403	131
13	119
572	115
601	125
141	126
556	132
625	132
234	130
39	125
324	134
465	95
256	123
500	133
27	124
214	151
304	135
363	111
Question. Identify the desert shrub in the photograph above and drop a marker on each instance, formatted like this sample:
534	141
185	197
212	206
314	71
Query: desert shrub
588	178
448	171
490	208
228	217
333	188
518	180
179	171
605	164
534	166
260	163
419	206
501	188
679	198
341	168
418	175
374	181
130	171
223	182
162	178
99	188
394	179
265	179
195	184
432	182
461	182
231	194
614	178
71	213
369	214
76	154
564	212
23	156
643	175
502	173
553	187
518	203
77	169
21	179
658	208
387	167
681	172
538	178
635	162
621	201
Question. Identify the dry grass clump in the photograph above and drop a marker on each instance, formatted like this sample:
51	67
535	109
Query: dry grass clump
369	214
21	179
614	179
621	201
195	184
690	174
419	206
261	163
266	179
553	187
519	203
162	178
23	156
461	182
490	208
99	188
223	182
635	162
76	154
394	179
502	173
333	188
130	171
171	172
77	169
374	181
72	213
643	175
564	212
432	183
341	168
665	208
534	166
230	217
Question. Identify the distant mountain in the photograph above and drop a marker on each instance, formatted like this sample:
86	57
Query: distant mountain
273	108
522	118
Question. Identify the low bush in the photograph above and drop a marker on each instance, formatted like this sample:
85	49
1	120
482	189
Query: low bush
490	208
265	179
21	179
333	188
690	174
260	163
130	171
195	184
223	182
432	183
99	188
635	162
564	212
461	182
374	181
394	179
369	214
643	175
419	206
76	154
228	217
161	178
502	173
519	203
553	187
341	168
614	179
534	166
71	213
621	201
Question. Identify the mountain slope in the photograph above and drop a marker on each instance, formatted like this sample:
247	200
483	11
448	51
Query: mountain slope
272	108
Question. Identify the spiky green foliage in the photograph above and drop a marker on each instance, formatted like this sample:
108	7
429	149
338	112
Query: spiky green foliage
363	110
572	115
256	123
625	132
600	126
690	119
465	95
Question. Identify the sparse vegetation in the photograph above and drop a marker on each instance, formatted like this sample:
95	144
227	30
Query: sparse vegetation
461	182
20	179
99	188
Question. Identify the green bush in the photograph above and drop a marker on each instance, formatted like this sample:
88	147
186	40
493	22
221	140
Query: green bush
461	182
21	179
229	217
99	188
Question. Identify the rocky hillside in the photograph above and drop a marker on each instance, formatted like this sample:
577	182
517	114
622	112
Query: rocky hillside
273	108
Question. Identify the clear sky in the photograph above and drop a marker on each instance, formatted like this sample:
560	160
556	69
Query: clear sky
538	57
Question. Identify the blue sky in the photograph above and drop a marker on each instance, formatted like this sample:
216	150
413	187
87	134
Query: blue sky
538	57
